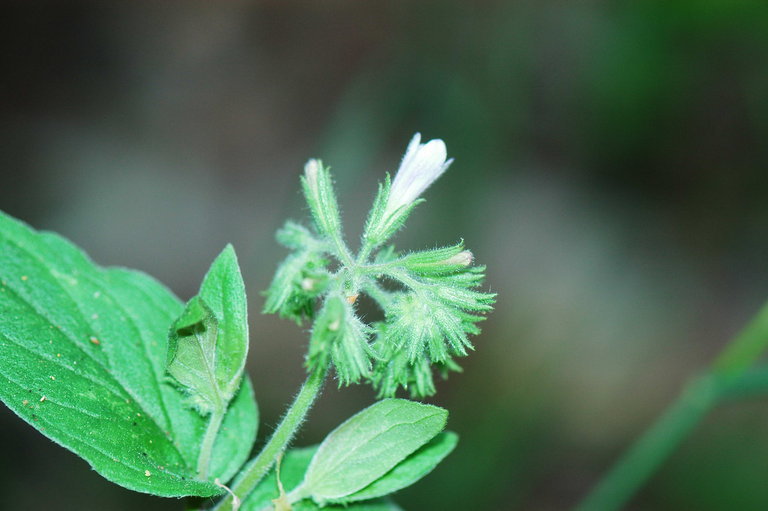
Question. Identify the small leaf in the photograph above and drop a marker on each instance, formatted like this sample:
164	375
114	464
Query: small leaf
208	344
410	470
82	359
368	445
192	356
223	291
292	469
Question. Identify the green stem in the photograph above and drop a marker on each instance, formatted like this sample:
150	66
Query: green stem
257	468
651	450
206	448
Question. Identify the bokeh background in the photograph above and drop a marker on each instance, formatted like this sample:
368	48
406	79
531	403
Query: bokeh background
610	170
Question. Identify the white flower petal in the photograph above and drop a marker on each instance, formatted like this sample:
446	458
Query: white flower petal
422	164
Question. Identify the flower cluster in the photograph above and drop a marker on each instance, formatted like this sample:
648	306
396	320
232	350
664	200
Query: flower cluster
430	299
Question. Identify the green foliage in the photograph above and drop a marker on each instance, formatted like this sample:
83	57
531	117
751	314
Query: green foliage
367	446
151	392
82	359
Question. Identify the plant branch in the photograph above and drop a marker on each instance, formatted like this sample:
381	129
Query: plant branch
257	468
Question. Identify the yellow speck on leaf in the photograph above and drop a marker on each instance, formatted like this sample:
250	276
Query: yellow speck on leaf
95	341
24	277
147	473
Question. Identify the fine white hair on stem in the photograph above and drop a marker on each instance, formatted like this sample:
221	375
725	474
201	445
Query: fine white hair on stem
422	164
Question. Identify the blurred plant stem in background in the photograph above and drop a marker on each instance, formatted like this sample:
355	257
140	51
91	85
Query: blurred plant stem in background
729	377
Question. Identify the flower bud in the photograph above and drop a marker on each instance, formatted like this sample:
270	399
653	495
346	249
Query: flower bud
463	258
311	170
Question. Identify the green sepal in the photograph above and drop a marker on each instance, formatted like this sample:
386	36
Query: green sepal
301	278
297	237
340	338
378	227
438	261
429	323
321	198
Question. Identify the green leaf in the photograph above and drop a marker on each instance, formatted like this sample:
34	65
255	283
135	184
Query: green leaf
373	505
223	291
192	356
368	445
82	359
411	469
292	468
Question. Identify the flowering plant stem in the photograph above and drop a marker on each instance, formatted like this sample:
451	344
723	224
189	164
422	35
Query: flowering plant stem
730	375
257	468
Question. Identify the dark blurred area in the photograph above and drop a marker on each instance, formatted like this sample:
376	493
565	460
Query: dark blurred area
610	170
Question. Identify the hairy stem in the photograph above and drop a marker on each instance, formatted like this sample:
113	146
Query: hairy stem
255	470
647	453
206	448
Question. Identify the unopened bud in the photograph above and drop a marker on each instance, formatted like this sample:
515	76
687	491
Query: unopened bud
311	169
463	258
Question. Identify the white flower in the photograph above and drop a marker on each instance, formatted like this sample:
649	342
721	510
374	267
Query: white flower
421	166
311	169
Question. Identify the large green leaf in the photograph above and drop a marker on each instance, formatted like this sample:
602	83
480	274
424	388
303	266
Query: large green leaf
82	359
368	445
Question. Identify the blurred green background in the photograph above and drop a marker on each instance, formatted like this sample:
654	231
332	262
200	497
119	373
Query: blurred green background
610	171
